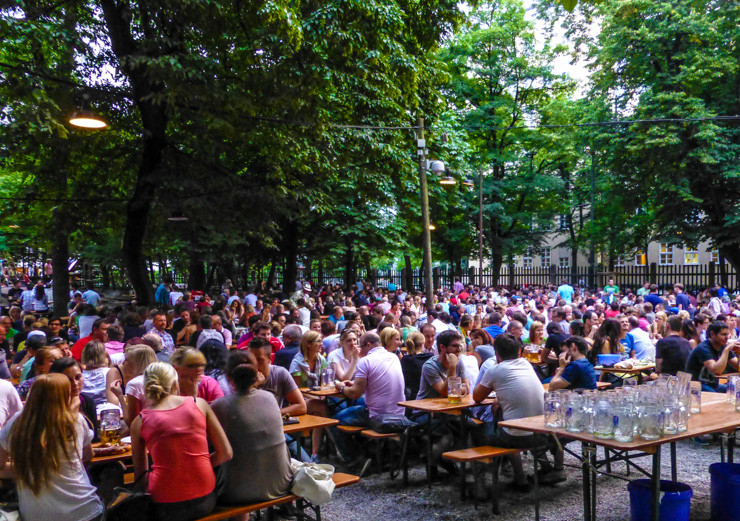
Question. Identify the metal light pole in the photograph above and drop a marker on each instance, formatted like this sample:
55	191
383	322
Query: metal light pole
426	234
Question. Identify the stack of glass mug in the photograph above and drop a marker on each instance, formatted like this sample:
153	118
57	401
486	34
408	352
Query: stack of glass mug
647	412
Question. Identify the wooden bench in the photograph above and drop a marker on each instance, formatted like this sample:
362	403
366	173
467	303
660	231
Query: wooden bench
225	512
350	429
486	455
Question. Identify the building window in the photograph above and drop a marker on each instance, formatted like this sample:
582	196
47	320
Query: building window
564	262
619	262
691	255
527	259
715	256
666	254
640	258
545	255
563	224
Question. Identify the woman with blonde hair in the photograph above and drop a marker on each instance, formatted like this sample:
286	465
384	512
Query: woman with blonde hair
49	444
344	361
390	339
175	431
307	366
130	397
190	365
412	363
659	325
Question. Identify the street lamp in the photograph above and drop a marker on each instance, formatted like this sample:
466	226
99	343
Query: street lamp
86	119
447	181
432	227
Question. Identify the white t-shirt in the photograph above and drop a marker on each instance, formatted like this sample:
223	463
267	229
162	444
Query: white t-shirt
135	388
518	390
69	496
337	357
95	384
471	367
10	402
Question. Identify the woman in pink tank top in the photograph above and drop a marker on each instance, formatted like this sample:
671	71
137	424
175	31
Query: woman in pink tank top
176	430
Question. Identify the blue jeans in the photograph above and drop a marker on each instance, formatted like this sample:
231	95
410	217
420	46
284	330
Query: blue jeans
356	416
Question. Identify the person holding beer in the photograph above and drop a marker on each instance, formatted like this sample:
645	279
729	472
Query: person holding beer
447	364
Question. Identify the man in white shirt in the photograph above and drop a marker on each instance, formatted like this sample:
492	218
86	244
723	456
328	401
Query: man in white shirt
519	394
304	312
643	347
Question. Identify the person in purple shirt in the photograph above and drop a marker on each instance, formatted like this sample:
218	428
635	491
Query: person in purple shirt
494	321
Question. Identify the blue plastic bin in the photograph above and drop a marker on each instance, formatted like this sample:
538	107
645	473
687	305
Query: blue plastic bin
675	500
725	491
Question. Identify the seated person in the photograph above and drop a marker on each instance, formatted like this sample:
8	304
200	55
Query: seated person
380	378
574	371
518	395
260	469
412	363
713	357
277	380
447	364
672	351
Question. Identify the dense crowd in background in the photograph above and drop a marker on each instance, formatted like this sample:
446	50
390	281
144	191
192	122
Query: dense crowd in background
203	380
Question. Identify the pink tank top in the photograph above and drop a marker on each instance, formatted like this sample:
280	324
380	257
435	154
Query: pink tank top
181	464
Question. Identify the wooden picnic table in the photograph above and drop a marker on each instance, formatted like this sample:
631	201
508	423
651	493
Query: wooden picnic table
442	405
307	423
433	405
113	457
717	416
321	393
635	370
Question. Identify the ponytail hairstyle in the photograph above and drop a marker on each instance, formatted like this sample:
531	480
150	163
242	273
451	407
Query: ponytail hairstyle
242	370
41	436
414	343
159	379
40	292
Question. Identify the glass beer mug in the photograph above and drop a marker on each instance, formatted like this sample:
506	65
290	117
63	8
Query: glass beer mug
455	390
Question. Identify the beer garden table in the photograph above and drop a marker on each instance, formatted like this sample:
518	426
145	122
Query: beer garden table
442	405
716	416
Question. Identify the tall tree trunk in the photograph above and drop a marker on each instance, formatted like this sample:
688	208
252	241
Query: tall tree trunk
291	257
197	272
60	262
105	275
409	272
497	252
271	274
349	263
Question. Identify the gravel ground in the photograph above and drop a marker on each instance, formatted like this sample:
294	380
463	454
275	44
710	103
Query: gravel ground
379	497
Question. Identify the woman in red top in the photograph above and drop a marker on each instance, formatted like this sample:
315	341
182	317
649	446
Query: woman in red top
176	431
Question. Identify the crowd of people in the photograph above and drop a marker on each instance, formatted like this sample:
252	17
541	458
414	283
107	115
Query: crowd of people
203	383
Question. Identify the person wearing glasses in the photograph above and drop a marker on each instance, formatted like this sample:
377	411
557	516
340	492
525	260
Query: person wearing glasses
190	365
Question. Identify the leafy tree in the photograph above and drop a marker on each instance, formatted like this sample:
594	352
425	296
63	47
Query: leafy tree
499	81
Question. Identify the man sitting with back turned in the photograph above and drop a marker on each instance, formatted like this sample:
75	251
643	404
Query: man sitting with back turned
519	394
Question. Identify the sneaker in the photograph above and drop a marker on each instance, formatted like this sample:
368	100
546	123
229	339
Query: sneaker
701	440
314	458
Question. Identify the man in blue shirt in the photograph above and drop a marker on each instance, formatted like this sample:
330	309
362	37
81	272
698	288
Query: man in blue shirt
682	299
494	328
574	370
653	297
565	291
91	297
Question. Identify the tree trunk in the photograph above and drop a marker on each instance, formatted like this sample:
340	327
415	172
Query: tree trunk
497	253
197	275
349	263
271	274
60	262
291	257
731	253
106	275
408	271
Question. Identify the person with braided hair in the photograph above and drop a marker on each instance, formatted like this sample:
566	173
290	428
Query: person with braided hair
175	430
